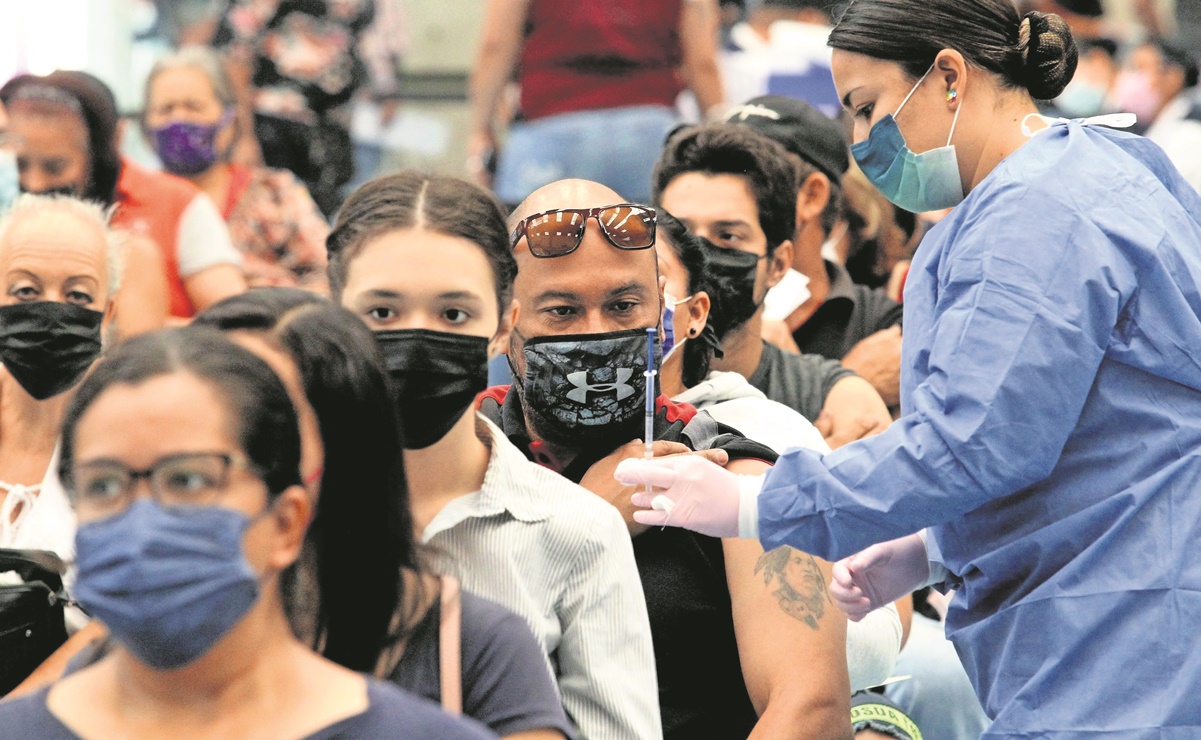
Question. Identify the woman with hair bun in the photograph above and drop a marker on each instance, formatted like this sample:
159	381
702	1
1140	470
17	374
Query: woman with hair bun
1051	386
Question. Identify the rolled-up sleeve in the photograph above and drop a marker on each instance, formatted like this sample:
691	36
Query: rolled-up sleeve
1025	303
606	659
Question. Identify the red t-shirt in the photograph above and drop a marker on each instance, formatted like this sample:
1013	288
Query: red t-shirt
590	54
151	204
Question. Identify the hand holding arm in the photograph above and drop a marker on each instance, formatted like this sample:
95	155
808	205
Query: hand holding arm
880	575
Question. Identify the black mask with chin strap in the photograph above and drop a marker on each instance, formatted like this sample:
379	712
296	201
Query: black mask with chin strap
734	274
47	346
436	377
585	390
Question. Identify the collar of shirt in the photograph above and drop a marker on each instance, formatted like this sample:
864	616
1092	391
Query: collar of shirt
506	487
841	298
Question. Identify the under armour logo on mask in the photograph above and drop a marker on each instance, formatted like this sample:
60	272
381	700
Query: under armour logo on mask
583	387
745	111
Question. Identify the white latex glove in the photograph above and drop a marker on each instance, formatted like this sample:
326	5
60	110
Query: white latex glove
880	575
696	495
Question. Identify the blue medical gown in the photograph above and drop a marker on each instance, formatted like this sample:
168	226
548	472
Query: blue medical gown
1050	437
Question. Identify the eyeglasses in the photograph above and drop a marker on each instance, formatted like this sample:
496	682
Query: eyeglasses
105	488
559	232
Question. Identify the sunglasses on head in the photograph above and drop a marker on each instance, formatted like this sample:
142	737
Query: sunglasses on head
559	232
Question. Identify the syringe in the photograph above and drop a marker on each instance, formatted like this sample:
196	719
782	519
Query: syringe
650	373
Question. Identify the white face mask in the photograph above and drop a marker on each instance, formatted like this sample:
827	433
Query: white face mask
788	295
10	179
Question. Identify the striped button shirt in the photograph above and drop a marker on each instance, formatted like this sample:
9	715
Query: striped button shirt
562	559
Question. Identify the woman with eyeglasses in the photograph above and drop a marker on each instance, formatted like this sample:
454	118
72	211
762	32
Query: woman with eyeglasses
395	627
182	454
426	263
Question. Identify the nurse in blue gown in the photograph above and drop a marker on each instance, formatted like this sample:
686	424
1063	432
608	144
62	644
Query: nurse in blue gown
1050	437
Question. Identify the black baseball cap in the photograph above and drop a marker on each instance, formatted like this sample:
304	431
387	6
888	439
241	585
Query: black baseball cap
1086	8
800	128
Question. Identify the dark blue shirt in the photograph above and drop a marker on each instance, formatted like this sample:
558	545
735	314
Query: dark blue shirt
391	713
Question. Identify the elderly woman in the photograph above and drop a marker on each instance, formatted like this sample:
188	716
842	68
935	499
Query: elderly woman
272	219
60	265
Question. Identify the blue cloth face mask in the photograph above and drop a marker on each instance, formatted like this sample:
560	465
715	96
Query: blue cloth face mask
10	179
168	582
918	183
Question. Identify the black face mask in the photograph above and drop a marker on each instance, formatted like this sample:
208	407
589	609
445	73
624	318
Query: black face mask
437	376
733	272
47	346
586	389
67	190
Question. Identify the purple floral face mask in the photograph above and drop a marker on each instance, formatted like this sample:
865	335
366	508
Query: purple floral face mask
188	148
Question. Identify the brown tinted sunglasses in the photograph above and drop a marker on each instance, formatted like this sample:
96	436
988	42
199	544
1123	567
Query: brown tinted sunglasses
559	232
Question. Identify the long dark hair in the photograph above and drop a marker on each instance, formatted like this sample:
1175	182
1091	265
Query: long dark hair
439	203
1034	52
691	250
362	534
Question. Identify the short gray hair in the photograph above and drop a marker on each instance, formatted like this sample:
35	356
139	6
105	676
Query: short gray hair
93	214
202	59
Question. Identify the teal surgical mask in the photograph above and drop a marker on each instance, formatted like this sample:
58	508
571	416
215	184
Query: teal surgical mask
918	183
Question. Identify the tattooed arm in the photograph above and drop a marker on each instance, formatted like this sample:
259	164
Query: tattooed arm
791	639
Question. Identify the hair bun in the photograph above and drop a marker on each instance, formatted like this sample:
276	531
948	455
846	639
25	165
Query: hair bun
1049	54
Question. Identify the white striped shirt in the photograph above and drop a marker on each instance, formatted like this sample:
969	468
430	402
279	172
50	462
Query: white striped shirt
562	559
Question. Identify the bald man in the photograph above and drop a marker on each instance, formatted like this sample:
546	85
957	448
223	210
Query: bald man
744	641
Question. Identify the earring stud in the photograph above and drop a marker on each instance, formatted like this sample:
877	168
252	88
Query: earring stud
952	96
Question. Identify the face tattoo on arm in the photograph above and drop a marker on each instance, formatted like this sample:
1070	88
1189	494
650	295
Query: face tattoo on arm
802	590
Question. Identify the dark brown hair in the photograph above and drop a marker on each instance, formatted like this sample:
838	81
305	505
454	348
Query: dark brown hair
410	199
1034	52
733	149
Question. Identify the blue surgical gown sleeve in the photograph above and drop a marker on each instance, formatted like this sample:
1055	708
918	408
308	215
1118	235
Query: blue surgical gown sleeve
1008	315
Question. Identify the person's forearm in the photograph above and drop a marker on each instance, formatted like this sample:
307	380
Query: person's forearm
500	48
810	718
705	82
698	40
240	76
214	284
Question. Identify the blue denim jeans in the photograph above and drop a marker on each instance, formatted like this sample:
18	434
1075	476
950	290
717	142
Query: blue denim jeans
616	147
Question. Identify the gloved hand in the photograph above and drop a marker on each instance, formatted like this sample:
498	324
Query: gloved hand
697	495
880	575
